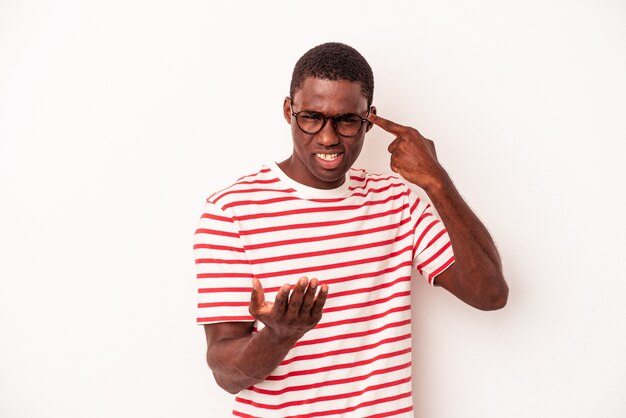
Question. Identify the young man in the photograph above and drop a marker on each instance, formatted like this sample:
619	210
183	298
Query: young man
338	341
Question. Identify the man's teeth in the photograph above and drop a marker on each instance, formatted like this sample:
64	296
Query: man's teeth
327	157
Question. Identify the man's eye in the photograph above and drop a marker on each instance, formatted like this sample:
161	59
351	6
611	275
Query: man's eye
311	116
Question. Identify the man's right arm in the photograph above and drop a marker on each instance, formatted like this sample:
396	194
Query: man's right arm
240	358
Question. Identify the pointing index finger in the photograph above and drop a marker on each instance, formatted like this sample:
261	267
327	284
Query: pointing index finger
386	124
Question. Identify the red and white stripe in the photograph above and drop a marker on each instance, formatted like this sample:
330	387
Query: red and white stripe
363	240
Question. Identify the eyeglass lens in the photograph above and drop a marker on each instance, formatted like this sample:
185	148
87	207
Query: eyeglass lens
346	125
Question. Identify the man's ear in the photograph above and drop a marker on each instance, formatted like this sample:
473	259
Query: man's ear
370	124
287	109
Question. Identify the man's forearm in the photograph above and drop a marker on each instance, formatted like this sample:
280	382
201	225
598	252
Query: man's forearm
238	363
477	277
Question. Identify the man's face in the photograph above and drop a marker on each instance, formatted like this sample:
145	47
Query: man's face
321	160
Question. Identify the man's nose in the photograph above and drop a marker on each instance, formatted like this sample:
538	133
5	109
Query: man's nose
327	136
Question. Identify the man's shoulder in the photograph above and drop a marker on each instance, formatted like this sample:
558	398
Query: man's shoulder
260	180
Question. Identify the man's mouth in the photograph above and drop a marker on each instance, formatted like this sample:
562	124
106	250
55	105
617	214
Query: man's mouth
329	161
327	157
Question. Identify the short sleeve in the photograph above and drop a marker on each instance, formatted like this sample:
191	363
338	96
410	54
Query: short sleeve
432	250
224	277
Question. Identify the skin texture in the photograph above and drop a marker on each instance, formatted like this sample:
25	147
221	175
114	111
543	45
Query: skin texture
239	358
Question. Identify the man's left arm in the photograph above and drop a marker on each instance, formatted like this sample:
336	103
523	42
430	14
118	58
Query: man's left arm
476	275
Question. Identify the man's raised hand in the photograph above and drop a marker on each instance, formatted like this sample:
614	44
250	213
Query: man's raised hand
412	156
289	317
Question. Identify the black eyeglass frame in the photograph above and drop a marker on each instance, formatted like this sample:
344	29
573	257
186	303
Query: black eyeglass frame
334	118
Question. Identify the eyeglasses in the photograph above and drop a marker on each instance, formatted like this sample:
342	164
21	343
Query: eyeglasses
345	124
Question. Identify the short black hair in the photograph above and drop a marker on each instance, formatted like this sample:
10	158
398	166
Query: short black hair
334	61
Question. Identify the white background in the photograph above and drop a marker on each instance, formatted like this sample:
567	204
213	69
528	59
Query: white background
118	118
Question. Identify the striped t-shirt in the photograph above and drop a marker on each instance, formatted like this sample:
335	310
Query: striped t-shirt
362	239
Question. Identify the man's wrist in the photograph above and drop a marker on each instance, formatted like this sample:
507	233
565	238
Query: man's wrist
439	184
